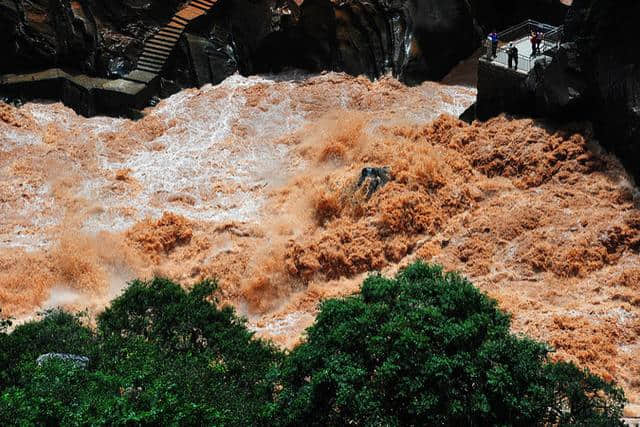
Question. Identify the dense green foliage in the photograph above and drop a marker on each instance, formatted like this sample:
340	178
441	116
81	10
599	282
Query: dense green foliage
426	348
159	355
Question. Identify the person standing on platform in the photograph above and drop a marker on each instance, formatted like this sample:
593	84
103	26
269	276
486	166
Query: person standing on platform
493	39
539	38
533	38
512	53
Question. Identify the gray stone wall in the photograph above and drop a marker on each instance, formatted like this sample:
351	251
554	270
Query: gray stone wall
496	88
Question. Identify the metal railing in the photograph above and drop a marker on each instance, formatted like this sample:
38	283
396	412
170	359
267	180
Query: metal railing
552	37
524	29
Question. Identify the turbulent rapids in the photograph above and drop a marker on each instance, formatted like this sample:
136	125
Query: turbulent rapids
254	182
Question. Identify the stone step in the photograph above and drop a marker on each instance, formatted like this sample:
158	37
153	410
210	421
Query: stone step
146	69
161	50
150	64
155	41
153	55
167	48
147	58
151	61
161	56
165	51
148	54
167	31
201	5
169	38
184	25
158	50
175	25
179	19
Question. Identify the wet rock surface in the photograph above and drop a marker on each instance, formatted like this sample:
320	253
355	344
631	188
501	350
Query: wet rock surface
600	69
501	14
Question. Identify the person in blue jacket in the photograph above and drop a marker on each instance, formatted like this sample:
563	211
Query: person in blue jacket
493	39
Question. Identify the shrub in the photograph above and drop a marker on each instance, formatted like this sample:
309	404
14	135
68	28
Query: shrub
57	332
213	358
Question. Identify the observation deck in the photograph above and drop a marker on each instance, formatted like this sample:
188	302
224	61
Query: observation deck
500	88
519	36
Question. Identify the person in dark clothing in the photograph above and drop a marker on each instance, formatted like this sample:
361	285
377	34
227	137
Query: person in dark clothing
533	38
539	38
493	39
512	53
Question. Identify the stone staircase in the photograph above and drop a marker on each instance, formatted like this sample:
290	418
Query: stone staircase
159	47
90	96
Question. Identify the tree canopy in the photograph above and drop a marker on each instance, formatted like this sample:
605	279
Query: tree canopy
158	355
429	349
423	348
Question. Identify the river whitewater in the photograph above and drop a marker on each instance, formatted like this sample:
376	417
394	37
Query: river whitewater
253	182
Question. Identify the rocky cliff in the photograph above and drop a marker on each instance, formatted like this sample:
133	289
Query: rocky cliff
594	76
415	40
501	14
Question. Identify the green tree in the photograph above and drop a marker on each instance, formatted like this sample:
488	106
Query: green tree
428	349
425	348
160	355
57	332
213	360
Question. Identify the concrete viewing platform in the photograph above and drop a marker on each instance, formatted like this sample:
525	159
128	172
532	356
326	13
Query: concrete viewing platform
498	85
519	36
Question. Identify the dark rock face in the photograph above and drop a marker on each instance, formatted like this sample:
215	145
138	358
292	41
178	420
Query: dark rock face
45	33
414	39
99	38
444	33
501	14
594	76
600	69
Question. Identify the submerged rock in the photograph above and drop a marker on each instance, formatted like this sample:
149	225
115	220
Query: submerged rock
376	178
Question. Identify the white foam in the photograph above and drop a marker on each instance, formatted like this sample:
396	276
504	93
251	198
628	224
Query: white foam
61	296
203	151
219	151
